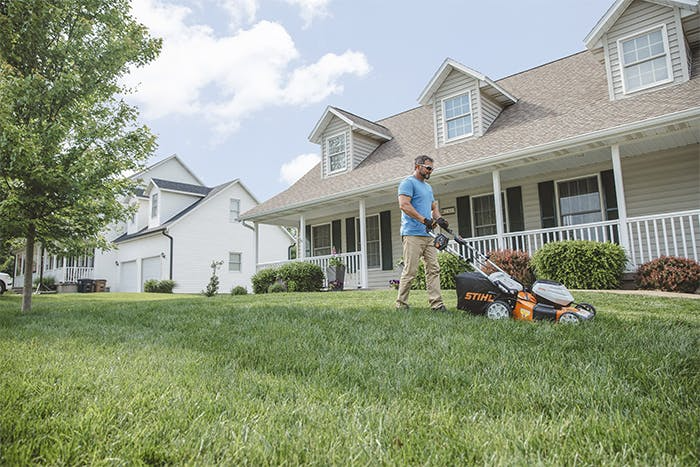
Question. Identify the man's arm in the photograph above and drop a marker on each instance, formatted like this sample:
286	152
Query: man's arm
435	210
406	206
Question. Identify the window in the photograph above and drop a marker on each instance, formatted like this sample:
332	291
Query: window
374	247
234	262
321	239
154	205
645	60
484	210
234	210
335	147
579	201
457	113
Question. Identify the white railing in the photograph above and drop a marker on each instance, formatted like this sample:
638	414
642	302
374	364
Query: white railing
68	274
676	234
352	261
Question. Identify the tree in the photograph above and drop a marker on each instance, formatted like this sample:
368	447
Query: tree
67	138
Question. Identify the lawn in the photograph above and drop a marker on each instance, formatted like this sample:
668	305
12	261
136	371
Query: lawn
344	379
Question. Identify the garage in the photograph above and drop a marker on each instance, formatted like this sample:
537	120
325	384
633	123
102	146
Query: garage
150	269
127	277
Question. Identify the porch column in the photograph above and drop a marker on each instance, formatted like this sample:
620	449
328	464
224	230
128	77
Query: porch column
620	195
363	247
498	206
257	244
301	238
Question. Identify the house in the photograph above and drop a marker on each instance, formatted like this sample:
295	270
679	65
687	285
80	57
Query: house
602	145
180	226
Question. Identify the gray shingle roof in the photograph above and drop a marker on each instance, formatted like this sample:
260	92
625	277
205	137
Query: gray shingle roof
182	187
365	123
557	101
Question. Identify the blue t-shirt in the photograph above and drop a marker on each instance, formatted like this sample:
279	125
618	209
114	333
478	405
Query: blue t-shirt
421	195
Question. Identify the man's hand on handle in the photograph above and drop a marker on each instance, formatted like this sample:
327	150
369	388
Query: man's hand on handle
442	223
429	224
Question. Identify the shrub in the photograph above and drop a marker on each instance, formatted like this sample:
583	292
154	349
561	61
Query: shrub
298	276
580	264
305	277
514	262
156	286
263	279
450	266
277	287
239	290
213	285
47	282
670	273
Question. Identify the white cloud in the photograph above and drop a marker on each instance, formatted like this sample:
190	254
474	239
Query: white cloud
227	78
293	170
310	9
240	11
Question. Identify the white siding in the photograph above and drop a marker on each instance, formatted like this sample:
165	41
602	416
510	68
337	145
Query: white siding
362	146
653	191
490	110
171	170
172	203
455	84
641	15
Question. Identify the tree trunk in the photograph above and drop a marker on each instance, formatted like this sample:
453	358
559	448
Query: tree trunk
29	264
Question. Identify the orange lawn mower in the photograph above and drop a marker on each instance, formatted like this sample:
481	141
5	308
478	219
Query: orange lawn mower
499	296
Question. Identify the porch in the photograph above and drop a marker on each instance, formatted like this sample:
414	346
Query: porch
644	238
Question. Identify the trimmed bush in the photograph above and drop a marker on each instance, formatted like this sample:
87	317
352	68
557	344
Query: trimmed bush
669	273
263	279
299	276
47	282
581	264
450	266
277	287
514	262
239	290
156	286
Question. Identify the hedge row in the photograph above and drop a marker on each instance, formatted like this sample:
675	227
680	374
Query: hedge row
296	276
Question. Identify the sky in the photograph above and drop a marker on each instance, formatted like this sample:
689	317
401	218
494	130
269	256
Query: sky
240	84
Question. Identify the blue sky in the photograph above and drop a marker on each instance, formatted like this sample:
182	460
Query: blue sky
241	84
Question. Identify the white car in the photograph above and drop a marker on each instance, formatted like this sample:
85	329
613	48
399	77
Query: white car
5	282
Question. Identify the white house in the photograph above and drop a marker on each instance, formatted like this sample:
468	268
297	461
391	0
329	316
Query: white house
181	226
601	145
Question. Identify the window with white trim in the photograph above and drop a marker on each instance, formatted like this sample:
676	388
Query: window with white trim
154	205
234	210
234	262
335	148
579	201
374	247
457	115
321	239
645	60
484	212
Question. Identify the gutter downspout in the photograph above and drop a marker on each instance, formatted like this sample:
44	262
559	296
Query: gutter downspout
165	232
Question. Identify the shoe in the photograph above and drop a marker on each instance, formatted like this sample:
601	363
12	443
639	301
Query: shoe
440	308
402	307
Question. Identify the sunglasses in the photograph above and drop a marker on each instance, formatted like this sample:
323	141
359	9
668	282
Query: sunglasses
429	168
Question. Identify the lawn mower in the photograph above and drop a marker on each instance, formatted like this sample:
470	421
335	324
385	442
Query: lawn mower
499	296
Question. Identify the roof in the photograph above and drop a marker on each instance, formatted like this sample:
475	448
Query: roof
175	157
370	128
181	187
491	88
616	10
557	103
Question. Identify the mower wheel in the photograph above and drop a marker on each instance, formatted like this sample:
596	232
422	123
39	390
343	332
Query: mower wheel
586	306
498	310
569	318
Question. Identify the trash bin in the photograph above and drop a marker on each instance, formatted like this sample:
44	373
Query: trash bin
86	285
100	285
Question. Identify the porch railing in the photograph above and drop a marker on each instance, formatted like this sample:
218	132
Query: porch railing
352	261
676	234
68	274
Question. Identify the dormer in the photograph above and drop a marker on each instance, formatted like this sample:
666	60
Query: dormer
139	219
465	102
646	44
345	140
167	198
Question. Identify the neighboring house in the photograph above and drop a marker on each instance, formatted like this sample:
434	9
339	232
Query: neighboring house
179	228
601	145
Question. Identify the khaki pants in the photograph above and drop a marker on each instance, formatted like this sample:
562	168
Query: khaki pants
413	249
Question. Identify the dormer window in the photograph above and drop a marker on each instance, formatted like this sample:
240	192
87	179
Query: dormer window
154	205
335	148
458	116
646	61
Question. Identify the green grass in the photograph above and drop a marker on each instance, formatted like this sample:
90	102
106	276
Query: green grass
343	379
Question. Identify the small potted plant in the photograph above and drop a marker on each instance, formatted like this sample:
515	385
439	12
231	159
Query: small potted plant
394	284
335	273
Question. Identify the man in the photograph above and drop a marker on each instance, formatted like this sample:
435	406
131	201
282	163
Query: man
419	214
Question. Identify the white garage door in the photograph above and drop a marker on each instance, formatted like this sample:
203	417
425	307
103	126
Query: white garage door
150	269
127	277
